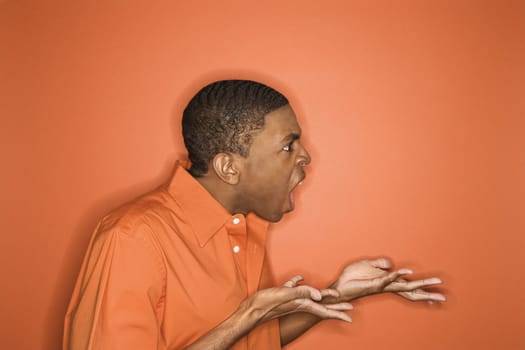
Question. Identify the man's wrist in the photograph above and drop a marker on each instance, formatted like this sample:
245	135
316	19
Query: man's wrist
227	333
247	316
333	299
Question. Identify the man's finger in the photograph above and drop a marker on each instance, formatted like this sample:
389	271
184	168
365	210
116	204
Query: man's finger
379	283
323	311
330	293
381	263
300	292
422	295
340	306
292	282
403	286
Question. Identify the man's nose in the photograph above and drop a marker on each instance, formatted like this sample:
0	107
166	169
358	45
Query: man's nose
303	157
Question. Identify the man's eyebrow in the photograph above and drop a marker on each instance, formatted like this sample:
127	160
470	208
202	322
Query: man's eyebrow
291	137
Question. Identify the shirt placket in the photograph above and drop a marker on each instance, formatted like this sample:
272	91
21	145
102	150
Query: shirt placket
237	233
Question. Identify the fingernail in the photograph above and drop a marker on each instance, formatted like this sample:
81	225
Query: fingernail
405	271
316	295
441	297
435	281
346	318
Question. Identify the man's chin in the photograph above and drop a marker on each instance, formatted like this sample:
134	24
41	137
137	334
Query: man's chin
285	211
273	217
276	218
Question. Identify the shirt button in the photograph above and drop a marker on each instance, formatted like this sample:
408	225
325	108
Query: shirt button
236	249
236	221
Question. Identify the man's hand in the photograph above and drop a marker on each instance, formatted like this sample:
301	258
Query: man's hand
272	303
366	277
269	304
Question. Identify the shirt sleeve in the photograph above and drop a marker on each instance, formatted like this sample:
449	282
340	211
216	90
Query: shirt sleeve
118	301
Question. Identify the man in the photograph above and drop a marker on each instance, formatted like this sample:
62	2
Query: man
184	266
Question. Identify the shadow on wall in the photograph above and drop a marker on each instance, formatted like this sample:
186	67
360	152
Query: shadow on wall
79	240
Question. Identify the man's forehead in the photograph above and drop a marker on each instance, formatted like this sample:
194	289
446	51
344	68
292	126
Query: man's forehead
282	122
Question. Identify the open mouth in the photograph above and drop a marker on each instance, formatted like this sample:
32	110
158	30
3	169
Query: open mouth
291	199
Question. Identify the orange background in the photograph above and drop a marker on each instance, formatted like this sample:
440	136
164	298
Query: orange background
413	112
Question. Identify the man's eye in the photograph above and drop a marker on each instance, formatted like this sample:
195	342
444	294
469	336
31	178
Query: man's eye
288	147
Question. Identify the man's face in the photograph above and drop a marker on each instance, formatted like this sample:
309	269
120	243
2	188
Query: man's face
274	166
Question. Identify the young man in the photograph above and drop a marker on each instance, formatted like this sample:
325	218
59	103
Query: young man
184	266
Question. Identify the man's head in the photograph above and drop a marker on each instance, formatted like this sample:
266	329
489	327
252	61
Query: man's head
223	116
243	142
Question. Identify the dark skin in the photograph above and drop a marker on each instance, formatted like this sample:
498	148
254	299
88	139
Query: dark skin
263	183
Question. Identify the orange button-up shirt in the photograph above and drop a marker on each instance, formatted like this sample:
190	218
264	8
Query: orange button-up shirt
166	268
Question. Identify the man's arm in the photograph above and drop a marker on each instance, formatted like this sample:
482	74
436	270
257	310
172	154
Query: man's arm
115	302
117	293
269	304
359	279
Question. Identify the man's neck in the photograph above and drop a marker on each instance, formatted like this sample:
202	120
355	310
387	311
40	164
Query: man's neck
222	192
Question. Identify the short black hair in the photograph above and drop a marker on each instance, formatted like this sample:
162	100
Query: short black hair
223	116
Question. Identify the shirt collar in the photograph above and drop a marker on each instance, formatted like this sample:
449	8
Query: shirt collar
204	213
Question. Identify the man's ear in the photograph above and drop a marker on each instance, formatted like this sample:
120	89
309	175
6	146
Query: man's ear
227	167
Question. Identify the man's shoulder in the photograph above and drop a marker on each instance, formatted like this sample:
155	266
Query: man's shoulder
144	211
